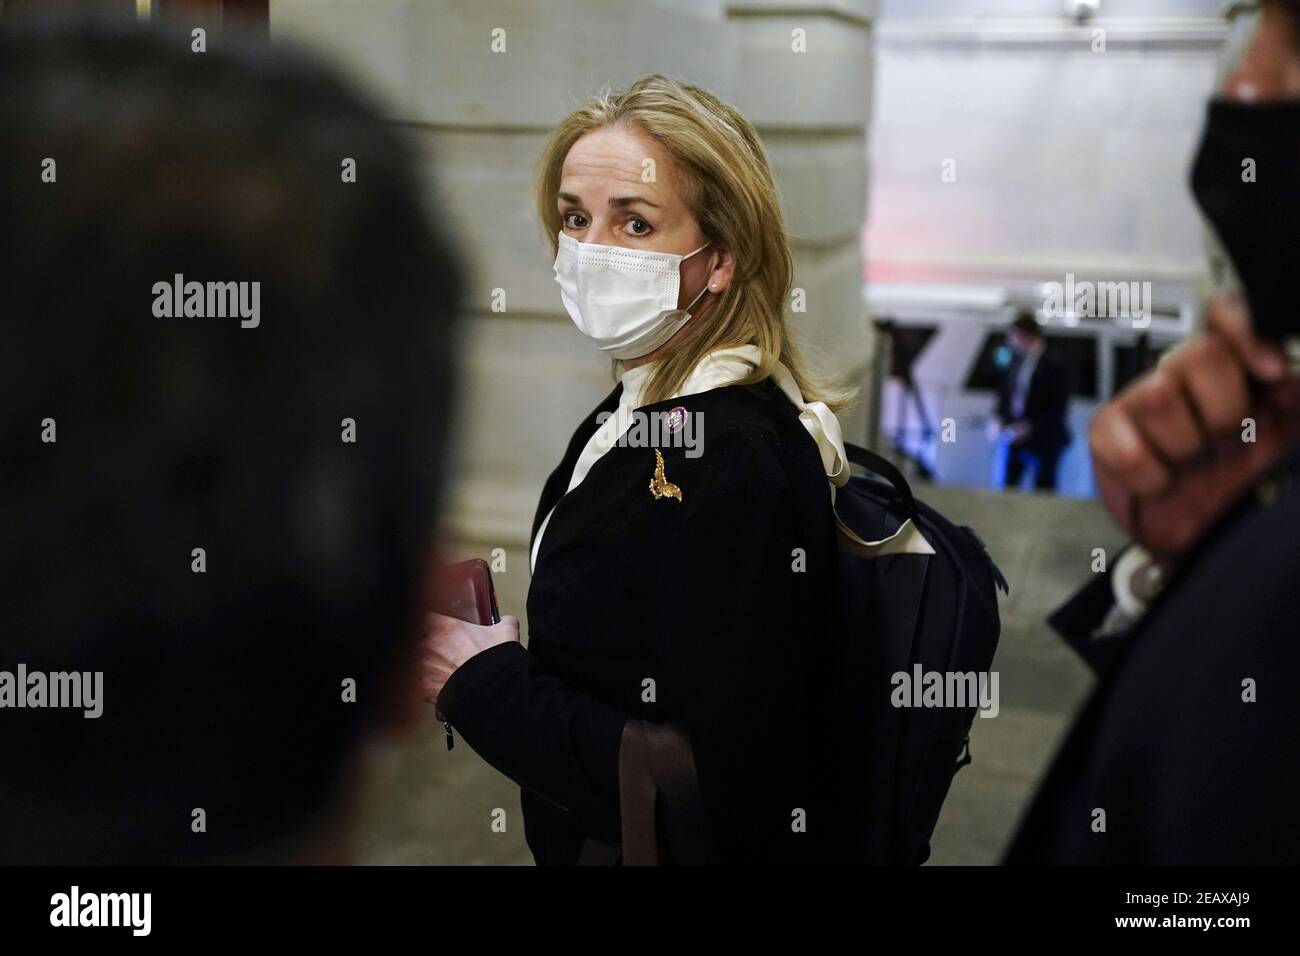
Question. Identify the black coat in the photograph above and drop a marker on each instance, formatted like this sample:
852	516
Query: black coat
1186	771
1047	402
704	598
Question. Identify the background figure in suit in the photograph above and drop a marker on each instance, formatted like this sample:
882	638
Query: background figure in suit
1032	405
1189	750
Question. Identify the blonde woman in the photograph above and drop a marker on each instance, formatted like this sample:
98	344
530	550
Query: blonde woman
683	550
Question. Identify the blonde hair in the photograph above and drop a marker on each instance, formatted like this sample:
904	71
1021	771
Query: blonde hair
731	194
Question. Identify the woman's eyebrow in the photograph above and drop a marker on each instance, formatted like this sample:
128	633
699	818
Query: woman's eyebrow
617	202
620	202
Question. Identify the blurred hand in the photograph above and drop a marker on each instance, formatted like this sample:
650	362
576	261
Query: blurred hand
449	642
1170	451
1020	432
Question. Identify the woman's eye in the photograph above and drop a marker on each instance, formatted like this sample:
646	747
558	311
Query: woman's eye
638	227
575	220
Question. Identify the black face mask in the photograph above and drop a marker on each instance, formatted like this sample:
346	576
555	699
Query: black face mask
1258	222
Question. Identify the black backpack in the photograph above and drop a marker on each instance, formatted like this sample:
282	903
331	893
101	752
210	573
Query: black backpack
900	607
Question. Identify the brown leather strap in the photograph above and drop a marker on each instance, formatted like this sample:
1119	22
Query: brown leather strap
672	764
638	794
654	761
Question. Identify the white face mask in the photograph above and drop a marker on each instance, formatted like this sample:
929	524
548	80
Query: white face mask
623	300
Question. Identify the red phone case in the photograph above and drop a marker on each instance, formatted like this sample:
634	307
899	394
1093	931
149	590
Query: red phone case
464	590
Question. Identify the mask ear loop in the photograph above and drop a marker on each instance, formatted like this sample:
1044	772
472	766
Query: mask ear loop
697	299
706	285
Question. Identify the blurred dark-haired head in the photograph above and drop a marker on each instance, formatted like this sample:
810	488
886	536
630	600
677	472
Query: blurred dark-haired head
1025	332
228	519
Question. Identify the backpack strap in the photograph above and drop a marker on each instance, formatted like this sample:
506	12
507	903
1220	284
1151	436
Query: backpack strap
908	539
657	782
883	467
638	793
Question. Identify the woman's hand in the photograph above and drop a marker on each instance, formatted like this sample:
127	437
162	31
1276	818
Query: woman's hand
1170	451
449	642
